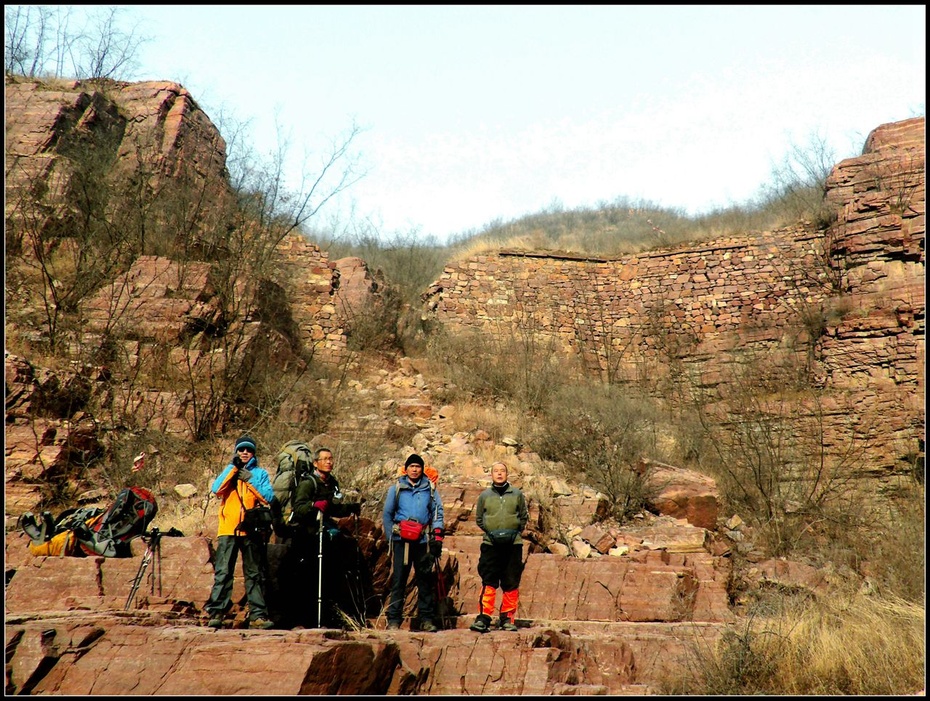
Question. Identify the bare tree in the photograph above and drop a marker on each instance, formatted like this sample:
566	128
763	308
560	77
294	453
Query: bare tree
42	41
104	49
799	182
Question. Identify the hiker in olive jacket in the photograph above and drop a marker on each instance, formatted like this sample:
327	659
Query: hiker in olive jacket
241	485
318	500
502	514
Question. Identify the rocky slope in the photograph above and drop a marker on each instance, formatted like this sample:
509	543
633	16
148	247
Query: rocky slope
604	609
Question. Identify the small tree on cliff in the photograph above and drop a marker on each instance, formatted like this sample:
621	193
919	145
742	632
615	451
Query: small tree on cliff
799	182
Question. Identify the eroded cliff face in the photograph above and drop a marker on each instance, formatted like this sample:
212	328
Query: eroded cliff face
148	160
847	303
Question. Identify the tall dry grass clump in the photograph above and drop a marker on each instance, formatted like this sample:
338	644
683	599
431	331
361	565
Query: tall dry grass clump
854	645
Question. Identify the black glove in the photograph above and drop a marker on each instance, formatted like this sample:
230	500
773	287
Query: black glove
237	461
435	549
352	509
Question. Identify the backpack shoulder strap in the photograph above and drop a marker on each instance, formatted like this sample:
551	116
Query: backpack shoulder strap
432	498
394	494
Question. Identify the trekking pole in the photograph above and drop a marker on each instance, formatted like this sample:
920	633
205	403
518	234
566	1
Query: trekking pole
319	569
152	551
156	565
441	591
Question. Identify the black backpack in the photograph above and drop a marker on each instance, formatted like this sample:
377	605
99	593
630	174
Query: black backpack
126	518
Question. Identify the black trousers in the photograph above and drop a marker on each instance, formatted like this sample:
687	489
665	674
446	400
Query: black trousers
417	555
253	570
501	566
304	598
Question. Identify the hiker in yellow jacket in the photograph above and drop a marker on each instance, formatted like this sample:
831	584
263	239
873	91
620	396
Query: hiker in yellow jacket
242	485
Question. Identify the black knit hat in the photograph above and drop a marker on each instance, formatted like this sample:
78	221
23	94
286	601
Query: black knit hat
245	441
414	459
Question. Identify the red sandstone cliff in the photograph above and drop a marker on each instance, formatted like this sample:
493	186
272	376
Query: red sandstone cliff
721	300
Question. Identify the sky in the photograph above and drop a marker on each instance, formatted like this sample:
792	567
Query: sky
471	114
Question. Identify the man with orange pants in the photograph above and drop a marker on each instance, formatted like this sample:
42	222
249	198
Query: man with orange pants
501	513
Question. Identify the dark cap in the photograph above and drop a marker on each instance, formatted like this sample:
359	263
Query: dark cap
246	441
414	459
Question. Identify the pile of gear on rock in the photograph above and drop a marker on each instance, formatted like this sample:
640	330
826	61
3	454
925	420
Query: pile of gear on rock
92	530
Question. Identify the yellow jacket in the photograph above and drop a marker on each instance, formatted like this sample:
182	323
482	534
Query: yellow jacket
239	495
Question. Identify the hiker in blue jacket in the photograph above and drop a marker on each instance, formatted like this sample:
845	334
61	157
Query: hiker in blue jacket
413	524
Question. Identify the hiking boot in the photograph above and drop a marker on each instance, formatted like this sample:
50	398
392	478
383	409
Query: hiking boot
481	624
48	525
261	624
215	622
393	625
428	627
507	624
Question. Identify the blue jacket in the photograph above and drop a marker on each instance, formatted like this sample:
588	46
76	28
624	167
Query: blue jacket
405	501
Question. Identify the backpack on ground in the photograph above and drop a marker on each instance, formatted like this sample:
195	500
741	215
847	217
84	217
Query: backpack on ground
91	530
127	518
295	463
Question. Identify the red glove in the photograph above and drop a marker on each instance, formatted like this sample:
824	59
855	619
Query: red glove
321	505
435	546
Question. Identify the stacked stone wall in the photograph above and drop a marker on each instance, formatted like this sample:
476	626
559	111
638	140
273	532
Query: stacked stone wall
311	280
705	299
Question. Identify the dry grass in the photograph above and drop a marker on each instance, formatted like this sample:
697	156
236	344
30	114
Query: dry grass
868	646
854	645
498	421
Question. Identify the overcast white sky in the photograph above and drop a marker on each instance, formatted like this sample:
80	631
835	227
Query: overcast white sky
473	113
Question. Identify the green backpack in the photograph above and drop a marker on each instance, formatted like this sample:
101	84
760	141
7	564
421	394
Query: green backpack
295	463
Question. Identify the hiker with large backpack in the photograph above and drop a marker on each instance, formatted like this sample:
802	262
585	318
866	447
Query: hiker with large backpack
92	530
244	525
413	524
317	501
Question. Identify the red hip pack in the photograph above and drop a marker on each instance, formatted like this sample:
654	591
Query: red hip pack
411	530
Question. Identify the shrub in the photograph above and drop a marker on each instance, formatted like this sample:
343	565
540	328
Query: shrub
770	453
600	432
521	367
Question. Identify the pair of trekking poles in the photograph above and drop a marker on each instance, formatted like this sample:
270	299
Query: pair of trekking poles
152	555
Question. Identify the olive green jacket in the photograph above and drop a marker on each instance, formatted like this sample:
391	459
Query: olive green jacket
498	511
